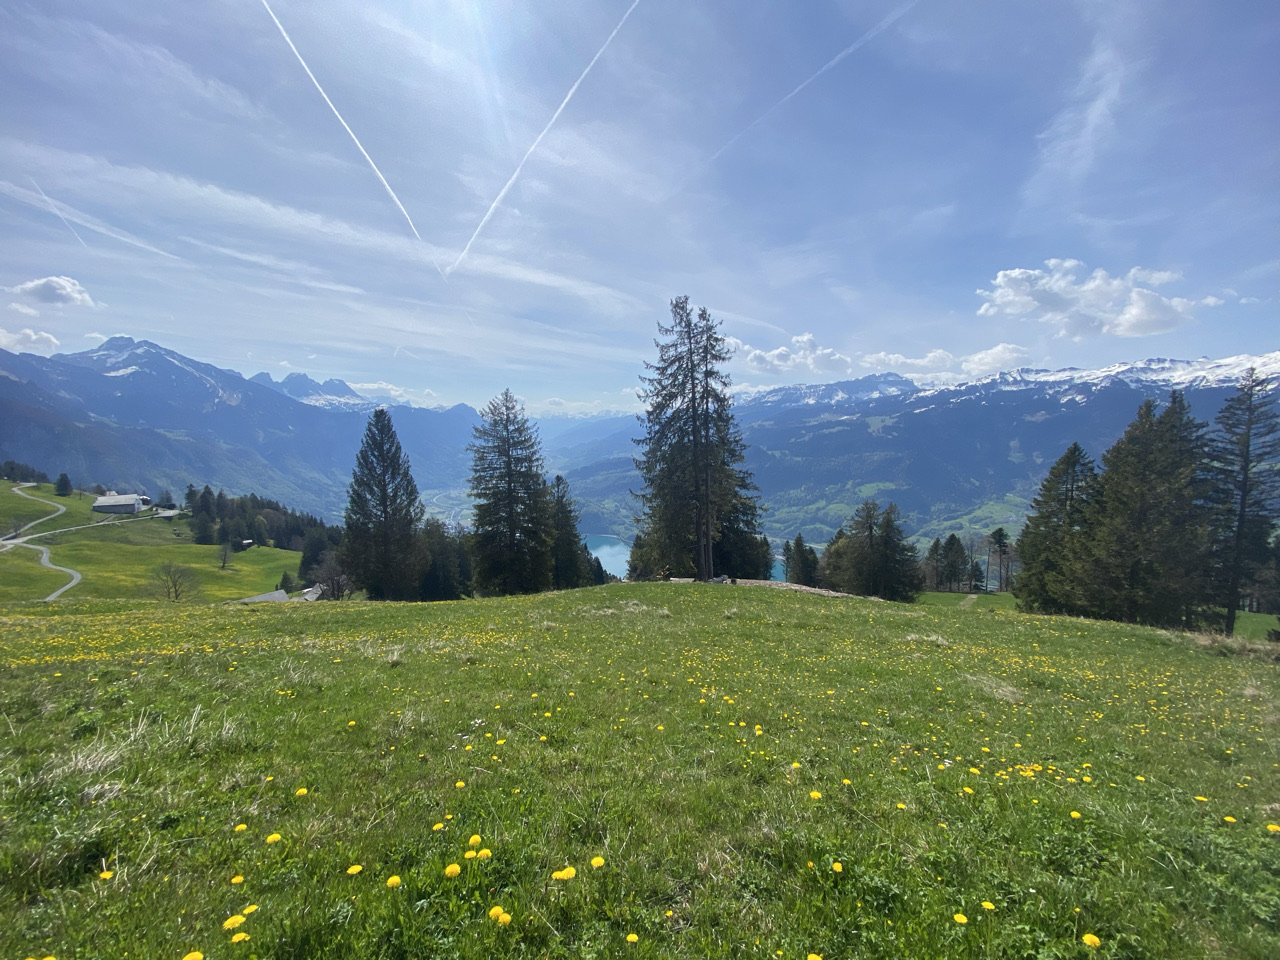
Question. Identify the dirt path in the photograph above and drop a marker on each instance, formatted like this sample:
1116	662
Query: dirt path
58	509
969	601
46	562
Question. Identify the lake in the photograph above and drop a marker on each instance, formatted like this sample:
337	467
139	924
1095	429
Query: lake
613	552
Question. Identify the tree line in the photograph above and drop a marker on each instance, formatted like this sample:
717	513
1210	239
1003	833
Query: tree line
1177	527
524	535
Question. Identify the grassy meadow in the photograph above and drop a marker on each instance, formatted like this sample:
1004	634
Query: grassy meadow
650	770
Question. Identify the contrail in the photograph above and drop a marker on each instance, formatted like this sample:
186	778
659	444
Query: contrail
520	166
856	45
378	173
58	213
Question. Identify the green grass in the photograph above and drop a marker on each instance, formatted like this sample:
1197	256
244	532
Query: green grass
14	506
119	559
721	748
983	601
23	578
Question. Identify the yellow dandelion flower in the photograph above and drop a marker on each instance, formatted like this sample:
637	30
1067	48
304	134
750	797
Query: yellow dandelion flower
846	781
460	784
795	766
469	855
813	956
1203	799
484	854
474	841
1229	819
988	905
351	723
106	874
1274	827
233	921
437	826
237	879
838	867
452	870
569	873
504	919
249	909
300	792
241	827
495	912
1091	941
632	938
393	881
902	806
961	918
240	937
597	862
274	838
354	869
1075	814
194	955
815	795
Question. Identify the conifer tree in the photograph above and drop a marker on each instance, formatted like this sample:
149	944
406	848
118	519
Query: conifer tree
1045	541
955	562
570	561
513	533
870	556
63	487
804	563
1143	555
695	489
1246	454
379	547
933	564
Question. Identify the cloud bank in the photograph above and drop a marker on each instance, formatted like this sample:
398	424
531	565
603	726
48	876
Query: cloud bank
1099	304
55	290
28	341
1003	356
803	354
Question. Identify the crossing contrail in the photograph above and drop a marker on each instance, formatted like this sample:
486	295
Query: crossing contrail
378	173
856	45
58	213
534	146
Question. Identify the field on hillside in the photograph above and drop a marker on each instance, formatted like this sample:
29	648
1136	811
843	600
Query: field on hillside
16	507
635	770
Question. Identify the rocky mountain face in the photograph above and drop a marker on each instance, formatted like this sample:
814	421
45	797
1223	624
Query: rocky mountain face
963	457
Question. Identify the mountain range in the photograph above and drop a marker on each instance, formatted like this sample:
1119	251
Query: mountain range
961	458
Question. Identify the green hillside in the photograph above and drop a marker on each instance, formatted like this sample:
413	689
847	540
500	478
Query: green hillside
761	773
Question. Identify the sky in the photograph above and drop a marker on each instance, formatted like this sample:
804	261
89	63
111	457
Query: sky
436	200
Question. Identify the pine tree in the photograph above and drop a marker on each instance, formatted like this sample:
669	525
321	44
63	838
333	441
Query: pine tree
1246	454
933	564
63	487
511	544
870	556
955	562
1143	553
379	547
1044	544
695	488
804	563
570	563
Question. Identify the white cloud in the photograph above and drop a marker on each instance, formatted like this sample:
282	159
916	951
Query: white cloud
23	309
381	389
1098	304
28	341
933	360
95	336
55	290
803	354
1003	356
1250	300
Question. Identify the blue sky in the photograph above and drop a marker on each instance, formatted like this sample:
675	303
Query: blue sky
970	187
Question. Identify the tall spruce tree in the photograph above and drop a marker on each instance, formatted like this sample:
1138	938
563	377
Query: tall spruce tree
870	556
1045	542
1246	452
1143	556
955	562
512	520
696	493
570	561
804	563
379	546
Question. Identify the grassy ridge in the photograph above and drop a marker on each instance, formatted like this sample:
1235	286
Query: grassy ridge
14	506
721	749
